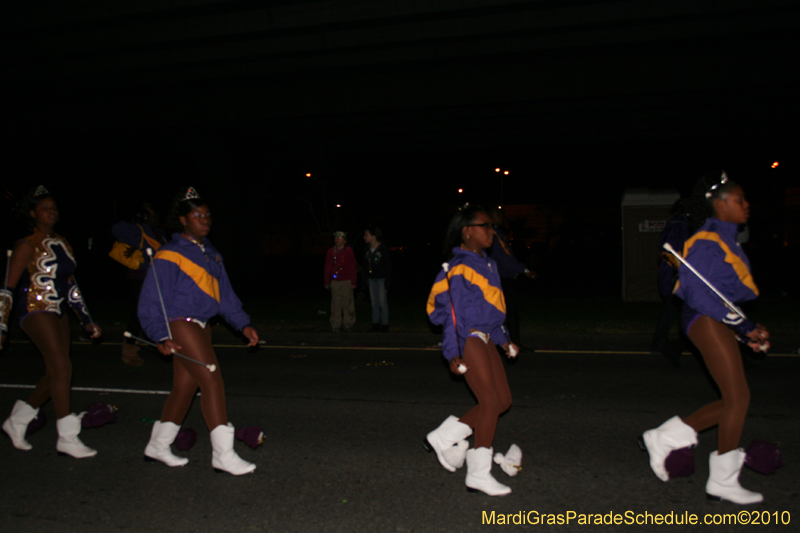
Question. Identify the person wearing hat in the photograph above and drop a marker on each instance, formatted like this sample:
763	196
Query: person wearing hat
341	280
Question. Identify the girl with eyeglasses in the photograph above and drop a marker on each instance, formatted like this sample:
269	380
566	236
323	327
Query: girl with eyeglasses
467	301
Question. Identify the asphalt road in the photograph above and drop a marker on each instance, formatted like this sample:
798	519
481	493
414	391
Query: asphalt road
344	420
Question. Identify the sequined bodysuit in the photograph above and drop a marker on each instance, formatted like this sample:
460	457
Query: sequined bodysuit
49	285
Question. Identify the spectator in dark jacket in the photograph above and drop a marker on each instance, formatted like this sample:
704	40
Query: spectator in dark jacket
378	269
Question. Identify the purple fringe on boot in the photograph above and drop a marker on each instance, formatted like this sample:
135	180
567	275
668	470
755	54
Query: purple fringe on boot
680	463
36	424
763	457
251	435
98	415
185	439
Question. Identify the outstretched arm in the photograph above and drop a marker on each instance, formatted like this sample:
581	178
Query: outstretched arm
21	255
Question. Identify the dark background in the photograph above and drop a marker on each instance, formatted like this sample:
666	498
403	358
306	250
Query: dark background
392	107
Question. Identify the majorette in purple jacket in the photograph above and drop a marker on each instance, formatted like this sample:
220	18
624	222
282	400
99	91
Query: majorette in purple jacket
473	283
194	284
714	252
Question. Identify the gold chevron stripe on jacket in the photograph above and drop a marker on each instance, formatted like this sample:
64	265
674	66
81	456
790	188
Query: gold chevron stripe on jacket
205	281
492	294
739	266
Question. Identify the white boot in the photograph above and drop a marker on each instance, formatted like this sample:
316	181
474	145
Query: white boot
158	449
479	473
68	442
723	479
223	458
442	439
16	424
671	435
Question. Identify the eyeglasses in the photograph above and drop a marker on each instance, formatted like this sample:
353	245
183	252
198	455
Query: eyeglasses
486	225
198	216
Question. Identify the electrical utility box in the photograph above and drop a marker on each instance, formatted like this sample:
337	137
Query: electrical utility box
645	213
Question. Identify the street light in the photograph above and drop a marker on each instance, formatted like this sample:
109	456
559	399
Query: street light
504	173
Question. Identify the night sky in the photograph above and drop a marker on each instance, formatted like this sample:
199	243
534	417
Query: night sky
393	106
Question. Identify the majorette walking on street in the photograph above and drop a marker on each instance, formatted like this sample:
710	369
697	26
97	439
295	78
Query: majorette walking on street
186	286
467	301
716	330
43	264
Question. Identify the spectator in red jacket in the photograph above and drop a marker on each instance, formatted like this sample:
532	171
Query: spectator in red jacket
341	280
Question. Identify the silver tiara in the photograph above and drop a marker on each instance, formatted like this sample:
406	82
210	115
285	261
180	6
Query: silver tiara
723	180
191	194
41	190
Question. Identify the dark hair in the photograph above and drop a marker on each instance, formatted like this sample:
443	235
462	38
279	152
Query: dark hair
375	230
181	207
700	205
679	207
464	216
140	214
32	197
29	201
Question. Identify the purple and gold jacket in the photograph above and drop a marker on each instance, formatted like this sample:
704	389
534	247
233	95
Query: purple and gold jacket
194	284
471	282
714	252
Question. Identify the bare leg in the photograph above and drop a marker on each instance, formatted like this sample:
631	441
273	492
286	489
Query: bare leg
50	334
196	343
721	354
487	380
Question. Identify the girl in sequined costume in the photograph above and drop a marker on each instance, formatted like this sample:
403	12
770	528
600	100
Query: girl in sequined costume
467	301
42	264
194	287
717	331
